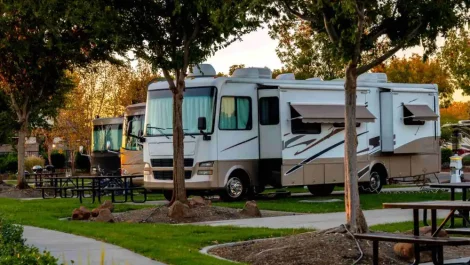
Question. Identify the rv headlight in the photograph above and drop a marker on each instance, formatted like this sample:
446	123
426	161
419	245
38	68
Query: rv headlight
206	164
93	170
204	172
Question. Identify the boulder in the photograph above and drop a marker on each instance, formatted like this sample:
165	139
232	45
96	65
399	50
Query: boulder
199	201
77	214
107	205
85	212
95	212
251	209
178	210
105	216
405	251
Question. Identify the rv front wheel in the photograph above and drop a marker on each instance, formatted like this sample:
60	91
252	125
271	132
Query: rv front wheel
321	190
234	190
374	185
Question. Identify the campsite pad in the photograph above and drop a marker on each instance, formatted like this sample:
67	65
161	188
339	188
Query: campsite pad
159	214
321	201
318	249
9	191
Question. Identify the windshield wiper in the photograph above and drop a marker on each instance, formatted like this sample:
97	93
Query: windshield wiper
160	130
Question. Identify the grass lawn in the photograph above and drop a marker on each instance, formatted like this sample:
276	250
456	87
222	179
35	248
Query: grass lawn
337	188
368	202
171	244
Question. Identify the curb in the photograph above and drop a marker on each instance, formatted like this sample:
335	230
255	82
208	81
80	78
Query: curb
205	250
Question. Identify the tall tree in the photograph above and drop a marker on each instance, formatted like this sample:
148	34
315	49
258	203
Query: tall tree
354	27
234	67
455	54
171	35
417	70
39	41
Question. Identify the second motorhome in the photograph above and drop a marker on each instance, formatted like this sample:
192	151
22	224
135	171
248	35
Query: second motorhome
249	131
106	141
132	161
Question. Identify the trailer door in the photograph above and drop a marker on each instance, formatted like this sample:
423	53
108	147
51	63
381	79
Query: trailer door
270	149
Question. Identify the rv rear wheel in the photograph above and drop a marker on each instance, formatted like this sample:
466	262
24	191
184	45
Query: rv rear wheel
234	190
374	185
321	190
168	194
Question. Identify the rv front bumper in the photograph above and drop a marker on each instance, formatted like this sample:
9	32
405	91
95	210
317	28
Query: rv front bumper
195	183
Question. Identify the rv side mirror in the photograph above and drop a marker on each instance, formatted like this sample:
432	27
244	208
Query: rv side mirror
108	145
80	149
201	123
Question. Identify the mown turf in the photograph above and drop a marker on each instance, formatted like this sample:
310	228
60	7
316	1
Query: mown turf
171	244
368	202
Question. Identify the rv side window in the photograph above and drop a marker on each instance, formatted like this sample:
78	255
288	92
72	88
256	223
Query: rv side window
341	124
410	121
269	111
299	127
235	113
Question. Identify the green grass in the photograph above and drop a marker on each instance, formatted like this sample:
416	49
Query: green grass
337	188
368	202
171	244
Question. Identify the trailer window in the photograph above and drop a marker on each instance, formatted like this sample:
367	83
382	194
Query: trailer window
269	111
410	121
341	124
299	127
235	113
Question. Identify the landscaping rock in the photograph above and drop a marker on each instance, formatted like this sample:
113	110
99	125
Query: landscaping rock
95	212
405	251
178	210
251	209
105	216
85	212
199	201
107	205
77	214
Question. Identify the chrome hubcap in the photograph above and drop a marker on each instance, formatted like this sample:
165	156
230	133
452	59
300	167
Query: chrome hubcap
374	181
235	187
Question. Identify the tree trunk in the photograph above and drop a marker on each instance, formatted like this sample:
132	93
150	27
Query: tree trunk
179	189
354	216
49	153
21	179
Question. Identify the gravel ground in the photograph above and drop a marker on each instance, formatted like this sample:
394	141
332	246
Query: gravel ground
9	191
318	249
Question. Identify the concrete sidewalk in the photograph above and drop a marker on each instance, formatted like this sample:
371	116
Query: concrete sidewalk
323	221
81	250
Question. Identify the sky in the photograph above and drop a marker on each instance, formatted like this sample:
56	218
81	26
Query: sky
257	49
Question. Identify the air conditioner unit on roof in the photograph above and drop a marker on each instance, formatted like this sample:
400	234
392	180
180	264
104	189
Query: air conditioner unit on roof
373	77
253	72
202	70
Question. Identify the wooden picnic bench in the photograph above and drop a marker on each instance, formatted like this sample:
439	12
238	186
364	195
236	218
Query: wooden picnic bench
421	243
464	186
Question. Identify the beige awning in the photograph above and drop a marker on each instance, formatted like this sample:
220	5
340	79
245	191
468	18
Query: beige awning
324	113
421	113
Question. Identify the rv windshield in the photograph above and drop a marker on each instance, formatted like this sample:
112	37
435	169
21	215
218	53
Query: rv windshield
197	102
104	133
136	123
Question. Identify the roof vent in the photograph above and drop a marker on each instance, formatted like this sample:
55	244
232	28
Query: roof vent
314	79
253	72
286	76
202	70
373	77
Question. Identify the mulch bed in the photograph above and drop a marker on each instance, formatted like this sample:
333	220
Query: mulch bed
319	249
9	191
199	213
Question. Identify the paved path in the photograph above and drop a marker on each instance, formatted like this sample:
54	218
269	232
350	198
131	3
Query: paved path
82	250
322	221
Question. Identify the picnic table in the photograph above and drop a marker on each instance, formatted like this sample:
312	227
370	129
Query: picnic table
97	186
464	186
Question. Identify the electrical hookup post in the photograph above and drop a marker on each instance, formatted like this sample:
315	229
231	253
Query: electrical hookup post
456	171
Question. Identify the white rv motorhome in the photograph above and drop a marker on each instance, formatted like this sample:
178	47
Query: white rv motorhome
248	131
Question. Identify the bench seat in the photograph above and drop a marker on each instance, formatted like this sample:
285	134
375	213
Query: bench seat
462	231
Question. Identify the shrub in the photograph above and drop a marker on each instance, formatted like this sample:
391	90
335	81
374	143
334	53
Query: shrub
58	159
32	161
14	251
466	161
8	163
446	153
82	162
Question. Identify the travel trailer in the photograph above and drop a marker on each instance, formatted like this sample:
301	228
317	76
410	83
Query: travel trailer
460	143
132	161
249	131
106	141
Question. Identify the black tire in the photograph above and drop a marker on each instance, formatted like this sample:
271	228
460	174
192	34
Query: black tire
168	194
374	185
321	190
235	189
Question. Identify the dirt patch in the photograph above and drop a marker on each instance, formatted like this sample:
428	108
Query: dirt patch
318	249
9	191
197	214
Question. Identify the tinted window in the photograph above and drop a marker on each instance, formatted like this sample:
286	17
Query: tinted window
235	113
269	111
410	121
299	127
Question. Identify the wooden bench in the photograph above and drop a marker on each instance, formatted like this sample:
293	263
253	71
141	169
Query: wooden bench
131	189
430	243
